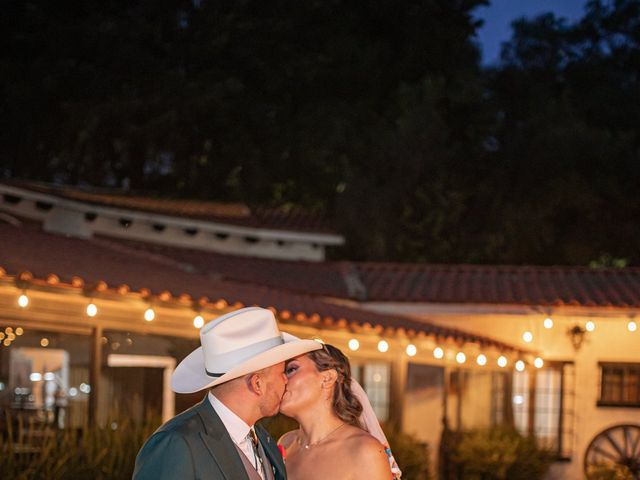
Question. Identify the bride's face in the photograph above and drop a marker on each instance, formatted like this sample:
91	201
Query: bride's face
304	386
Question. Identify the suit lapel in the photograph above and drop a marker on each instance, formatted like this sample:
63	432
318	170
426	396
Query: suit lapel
272	452
219	443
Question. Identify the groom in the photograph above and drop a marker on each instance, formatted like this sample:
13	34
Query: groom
241	364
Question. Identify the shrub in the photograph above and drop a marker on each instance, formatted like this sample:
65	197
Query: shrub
609	472
30	450
499	453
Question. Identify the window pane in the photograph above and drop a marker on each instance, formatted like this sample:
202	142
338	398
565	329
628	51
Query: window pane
520	400
45	376
376	384
547	407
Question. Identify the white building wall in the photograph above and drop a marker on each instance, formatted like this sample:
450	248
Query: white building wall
610	342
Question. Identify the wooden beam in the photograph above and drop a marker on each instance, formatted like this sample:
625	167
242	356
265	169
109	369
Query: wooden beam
94	372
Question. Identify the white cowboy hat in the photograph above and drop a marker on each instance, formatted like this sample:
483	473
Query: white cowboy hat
235	344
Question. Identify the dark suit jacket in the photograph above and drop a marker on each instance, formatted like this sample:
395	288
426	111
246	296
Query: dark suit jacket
196	445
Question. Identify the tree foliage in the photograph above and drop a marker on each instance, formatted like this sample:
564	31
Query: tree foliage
375	113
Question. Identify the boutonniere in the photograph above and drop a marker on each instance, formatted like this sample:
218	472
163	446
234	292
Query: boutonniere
282	452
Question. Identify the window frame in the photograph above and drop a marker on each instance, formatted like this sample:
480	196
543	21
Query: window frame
626	367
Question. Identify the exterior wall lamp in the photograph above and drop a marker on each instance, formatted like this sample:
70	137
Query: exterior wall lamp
576	334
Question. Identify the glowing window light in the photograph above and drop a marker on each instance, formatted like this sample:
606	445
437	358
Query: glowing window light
461	357
383	346
354	344
481	360
198	321
23	301
92	310
632	326
527	336
520	366
438	353
590	326
502	361
149	314
548	323
411	350
538	362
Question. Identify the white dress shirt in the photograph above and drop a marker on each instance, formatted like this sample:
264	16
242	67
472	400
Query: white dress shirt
238	430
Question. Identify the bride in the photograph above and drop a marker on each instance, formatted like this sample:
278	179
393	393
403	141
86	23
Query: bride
339	435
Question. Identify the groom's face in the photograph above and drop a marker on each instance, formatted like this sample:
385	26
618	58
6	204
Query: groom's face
274	384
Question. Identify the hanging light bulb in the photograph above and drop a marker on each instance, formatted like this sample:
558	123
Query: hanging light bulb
198	321
590	326
383	346
354	344
527	336
502	361
461	357
92	310
411	350
520	365
548	323
438	353
149	314
481	360
538	362
23	301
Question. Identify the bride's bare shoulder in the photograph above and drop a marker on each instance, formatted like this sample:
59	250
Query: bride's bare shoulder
288	438
367	450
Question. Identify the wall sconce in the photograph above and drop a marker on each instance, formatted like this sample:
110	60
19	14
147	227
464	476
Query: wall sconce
576	334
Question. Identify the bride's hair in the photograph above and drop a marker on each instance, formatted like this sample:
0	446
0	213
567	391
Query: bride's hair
345	405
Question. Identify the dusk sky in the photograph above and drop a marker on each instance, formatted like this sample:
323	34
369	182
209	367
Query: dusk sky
499	15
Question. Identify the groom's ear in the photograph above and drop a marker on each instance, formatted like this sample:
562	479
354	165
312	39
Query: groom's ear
255	383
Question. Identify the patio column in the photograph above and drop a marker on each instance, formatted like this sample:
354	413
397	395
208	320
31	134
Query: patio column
94	373
398	381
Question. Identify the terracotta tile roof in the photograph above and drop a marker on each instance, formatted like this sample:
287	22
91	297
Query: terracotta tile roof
395	282
490	284
98	260
228	213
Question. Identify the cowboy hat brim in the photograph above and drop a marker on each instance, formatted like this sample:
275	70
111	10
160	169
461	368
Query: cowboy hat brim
190	375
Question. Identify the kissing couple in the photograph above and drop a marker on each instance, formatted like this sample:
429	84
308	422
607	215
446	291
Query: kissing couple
251	370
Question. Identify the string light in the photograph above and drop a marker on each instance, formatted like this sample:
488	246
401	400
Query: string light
548	323
590	326
502	361
538	362
481	360
92	310
23	301
527	336
411	350
520	365
198	321
383	346
149	314
461	357
438	353
354	344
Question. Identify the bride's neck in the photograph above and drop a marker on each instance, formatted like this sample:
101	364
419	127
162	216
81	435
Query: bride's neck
315	423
